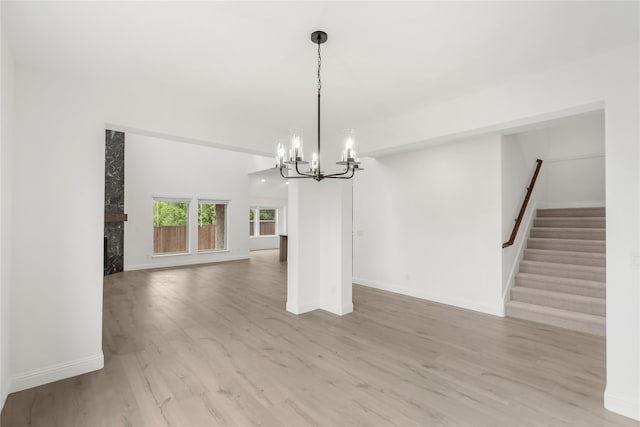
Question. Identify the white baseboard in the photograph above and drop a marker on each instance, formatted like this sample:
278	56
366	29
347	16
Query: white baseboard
4	393
184	262
622	405
339	311
56	372
305	308
301	308
498	310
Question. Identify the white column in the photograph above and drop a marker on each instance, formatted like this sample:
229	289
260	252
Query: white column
319	252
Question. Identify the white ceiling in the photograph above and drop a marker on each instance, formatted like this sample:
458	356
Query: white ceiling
255	61
267	185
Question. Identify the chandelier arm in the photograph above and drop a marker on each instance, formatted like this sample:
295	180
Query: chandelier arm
306	175
339	173
353	171
295	177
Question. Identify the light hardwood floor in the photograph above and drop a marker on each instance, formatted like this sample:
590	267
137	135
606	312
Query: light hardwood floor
213	345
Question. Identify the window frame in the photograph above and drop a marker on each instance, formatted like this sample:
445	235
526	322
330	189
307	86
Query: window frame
187	202
213	201
256	221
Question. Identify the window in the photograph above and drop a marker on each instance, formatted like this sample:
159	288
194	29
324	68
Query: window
263	222
212	229
170	220
252	224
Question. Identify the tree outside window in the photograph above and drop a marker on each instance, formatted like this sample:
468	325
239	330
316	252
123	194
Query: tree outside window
170	220
212	233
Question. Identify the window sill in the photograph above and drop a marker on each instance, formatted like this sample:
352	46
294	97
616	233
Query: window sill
213	251
168	254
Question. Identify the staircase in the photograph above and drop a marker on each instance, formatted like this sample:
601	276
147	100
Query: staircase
562	273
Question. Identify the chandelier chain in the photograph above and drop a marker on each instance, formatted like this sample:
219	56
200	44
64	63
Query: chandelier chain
319	66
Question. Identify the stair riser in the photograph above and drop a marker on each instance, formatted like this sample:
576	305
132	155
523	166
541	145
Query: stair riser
567	233
571	212
596	308
565	259
562	287
594	328
570	222
596	276
567	245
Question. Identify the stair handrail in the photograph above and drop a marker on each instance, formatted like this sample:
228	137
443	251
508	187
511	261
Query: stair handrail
523	208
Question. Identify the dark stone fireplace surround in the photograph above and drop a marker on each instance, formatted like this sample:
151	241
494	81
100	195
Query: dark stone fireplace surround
114	202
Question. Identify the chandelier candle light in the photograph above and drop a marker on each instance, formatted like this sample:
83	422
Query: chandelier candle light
295	156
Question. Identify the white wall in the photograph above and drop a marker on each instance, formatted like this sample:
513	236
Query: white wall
58	218
611	81
6	126
428	224
161	168
573	172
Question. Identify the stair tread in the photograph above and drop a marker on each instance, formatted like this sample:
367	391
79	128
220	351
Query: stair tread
594	255
571	228
576	245
560	266
563	280
558	312
593	211
559	295
595	242
569	222
571	217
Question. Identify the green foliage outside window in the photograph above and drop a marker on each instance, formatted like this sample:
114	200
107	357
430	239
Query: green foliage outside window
267	214
169	213
206	213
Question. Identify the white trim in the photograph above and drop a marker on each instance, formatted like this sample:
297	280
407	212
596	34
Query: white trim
301	309
212	201
339	311
622	405
210	251
506	128
169	137
6	386
456	302
519	246
56	372
305	308
176	199
194	261
169	254
577	157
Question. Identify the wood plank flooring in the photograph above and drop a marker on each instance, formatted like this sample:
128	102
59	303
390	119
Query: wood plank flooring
213	345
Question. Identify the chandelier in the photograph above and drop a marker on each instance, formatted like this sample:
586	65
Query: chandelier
295	157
